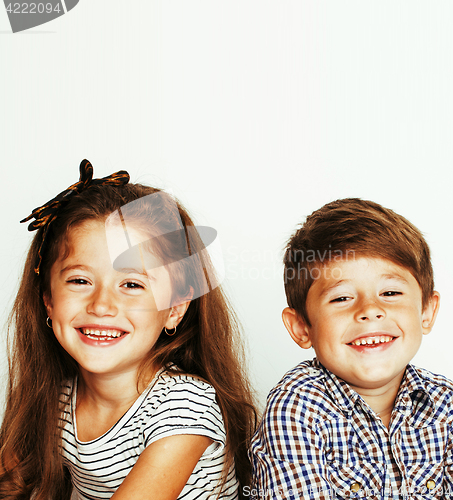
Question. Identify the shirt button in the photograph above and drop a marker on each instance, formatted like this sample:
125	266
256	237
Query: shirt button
356	487
430	484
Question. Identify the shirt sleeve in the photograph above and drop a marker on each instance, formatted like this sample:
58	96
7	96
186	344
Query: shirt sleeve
187	406
287	452
447	485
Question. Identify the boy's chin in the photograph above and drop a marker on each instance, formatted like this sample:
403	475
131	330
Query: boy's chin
373	382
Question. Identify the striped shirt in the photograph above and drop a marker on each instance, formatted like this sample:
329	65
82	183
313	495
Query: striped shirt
172	404
319	439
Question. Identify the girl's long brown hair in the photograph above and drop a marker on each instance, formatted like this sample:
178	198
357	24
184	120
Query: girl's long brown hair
207	345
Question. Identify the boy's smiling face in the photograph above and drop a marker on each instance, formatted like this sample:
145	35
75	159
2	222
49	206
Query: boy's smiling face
367	321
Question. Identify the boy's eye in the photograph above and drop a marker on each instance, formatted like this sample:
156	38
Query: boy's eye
391	293
340	299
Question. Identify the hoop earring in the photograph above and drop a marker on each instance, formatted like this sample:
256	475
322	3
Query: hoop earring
170	334
47	322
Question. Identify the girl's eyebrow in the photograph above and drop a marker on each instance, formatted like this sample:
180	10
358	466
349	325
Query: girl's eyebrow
90	269
77	266
131	270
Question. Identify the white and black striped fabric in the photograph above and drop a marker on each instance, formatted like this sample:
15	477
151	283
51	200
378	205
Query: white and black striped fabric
172	404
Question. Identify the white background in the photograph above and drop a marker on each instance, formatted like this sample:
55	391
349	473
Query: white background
254	113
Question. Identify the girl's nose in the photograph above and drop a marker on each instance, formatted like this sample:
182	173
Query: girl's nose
370	310
102	302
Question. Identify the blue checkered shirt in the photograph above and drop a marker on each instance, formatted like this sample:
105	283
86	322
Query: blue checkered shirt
319	440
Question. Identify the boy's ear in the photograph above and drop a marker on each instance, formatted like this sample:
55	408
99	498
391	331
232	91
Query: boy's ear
297	328
177	312
430	313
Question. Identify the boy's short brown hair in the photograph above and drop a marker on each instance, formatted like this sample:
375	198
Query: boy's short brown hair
343	228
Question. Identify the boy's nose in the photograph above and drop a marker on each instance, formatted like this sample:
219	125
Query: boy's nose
102	303
370	311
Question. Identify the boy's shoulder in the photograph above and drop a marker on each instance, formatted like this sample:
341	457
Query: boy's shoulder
431	396
303	376
437	386
431	376
305	389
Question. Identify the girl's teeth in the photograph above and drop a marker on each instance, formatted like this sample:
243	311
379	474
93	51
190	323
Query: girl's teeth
96	334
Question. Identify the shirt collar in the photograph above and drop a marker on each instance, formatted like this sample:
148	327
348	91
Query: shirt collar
411	387
346	397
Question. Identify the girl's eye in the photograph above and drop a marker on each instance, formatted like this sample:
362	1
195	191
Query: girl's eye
78	281
132	285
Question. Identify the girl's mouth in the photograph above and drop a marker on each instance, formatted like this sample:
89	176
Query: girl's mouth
102	335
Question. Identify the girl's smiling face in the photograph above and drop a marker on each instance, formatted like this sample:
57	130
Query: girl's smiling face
105	319
367	321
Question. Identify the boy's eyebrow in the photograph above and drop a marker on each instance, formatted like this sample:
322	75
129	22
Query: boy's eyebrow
396	277
338	283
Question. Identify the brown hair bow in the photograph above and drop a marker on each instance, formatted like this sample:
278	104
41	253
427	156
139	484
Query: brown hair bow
48	212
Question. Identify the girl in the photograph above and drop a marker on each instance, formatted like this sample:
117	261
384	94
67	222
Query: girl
125	377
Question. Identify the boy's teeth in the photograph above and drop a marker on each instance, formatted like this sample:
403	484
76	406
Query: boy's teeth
380	339
91	332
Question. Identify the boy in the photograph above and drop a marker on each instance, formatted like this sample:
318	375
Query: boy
358	421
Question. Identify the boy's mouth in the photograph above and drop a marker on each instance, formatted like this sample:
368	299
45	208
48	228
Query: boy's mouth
102	335
372	340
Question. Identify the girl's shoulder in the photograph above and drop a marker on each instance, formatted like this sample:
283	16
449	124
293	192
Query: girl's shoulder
178	403
174	376
171	383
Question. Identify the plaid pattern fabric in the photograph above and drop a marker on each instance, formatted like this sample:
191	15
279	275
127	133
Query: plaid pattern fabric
319	440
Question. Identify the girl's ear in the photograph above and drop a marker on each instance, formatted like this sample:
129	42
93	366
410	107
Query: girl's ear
48	304
430	313
297	328
177	312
